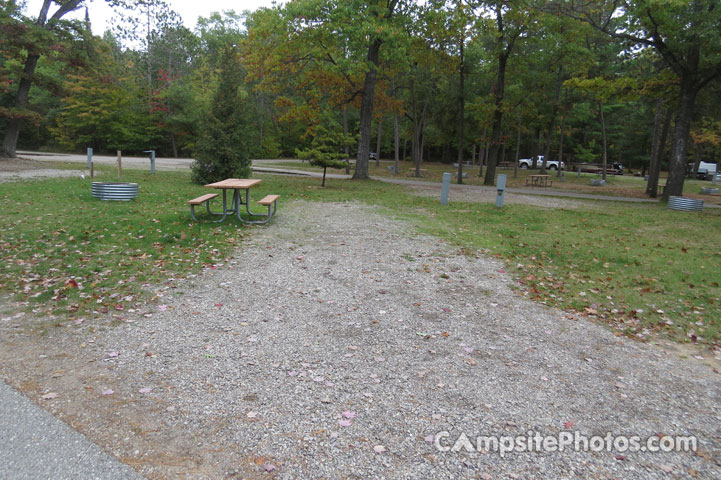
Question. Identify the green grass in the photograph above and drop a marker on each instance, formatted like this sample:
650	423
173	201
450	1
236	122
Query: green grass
642	269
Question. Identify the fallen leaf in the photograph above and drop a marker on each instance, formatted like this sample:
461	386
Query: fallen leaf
109	391
568	425
113	354
145	390
50	396
345	423
348	414
268	467
379	449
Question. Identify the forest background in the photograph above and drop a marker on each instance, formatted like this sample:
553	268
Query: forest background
634	82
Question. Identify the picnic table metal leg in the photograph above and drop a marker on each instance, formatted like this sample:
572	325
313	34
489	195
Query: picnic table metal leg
247	204
225	209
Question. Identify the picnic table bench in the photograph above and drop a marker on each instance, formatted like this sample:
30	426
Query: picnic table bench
422	172
539	181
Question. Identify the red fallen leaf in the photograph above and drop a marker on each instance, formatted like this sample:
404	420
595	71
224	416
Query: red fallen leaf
447	310
568	425
501	271
218	304
694	338
620	457
71	283
119	307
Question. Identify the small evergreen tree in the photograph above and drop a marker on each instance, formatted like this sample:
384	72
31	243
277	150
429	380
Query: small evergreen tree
222	149
326	148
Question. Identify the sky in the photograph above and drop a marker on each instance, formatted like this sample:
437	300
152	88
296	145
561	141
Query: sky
101	14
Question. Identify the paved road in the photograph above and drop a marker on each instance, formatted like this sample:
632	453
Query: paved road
34	445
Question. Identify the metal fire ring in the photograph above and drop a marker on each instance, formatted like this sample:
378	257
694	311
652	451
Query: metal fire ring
114	190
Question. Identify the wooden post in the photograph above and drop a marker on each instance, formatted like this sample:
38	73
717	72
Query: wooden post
92	170
120	165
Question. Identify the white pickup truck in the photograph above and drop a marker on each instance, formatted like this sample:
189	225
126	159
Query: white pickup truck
550	164
706	170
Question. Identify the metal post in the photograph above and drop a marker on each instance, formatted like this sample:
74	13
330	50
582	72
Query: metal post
501	187
90	157
444	189
152	160
579	172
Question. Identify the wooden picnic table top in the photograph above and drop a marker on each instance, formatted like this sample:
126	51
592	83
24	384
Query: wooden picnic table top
235	183
539	176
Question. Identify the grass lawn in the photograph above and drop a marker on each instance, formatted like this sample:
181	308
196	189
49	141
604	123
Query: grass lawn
642	269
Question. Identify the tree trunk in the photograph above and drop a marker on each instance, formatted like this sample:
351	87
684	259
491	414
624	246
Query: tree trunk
490	177
483	156
684	115
560	145
12	129
396	142
174	145
378	142
461	107
658	122
366	113
345	135
518	145
603	139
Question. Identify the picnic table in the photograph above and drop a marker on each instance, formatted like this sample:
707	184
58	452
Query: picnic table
539	181
237	185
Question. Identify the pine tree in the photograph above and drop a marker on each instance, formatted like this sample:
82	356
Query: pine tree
222	151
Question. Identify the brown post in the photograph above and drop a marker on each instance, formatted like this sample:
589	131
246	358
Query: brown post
92	169
120	165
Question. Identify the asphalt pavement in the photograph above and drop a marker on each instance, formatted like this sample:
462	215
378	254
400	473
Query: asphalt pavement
34	445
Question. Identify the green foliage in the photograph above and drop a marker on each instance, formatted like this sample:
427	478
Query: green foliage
222	148
326	148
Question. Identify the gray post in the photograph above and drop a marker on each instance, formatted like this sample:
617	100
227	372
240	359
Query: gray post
715	175
90	157
501	187
579	172
445	187
152	160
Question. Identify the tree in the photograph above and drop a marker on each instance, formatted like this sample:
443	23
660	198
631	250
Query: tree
510	23
326	148
39	30
222	149
685	34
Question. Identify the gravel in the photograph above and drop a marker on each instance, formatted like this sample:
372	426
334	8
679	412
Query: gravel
338	343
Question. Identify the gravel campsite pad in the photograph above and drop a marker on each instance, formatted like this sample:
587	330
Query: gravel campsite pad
337	343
